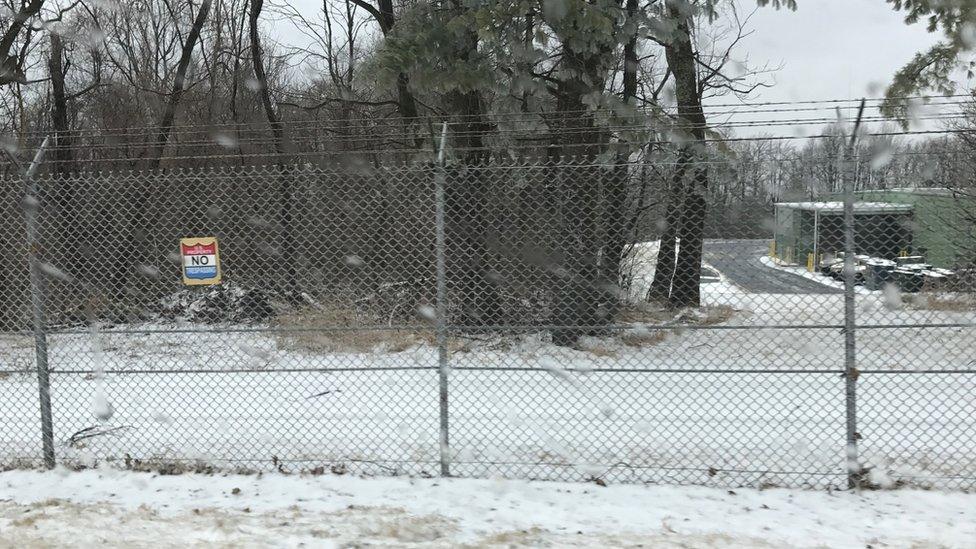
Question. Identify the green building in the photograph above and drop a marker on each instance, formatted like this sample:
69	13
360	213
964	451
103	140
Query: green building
816	229
943	225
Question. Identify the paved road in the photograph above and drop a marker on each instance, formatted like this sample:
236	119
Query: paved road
739	261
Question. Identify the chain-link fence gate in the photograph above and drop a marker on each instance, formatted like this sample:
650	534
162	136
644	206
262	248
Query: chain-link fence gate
532	319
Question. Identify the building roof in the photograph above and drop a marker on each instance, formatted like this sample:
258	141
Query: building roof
925	191
838	207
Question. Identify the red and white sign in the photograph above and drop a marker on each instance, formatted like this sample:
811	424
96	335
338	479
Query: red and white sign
201	261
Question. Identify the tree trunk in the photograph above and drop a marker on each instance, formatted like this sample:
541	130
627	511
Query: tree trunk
179	85
137	253
615	185
286	195
406	103
667	251
575	285
469	229
680	54
63	156
686	285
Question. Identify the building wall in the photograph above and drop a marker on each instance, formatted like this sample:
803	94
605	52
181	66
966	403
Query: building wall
941	231
877	234
883	235
787	229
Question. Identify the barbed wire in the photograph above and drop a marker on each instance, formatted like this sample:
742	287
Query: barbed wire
210	135
349	122
354	140
559	160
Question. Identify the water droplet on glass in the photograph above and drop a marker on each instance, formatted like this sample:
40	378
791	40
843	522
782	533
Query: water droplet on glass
258	222
30	203
9	144
967	34
101	407
427	312
148	271
268	249
225	140
892	297
54	272
881	158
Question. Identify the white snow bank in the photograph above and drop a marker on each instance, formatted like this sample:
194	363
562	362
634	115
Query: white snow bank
117	508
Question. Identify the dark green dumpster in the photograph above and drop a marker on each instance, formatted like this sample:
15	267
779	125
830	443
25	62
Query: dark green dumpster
878	272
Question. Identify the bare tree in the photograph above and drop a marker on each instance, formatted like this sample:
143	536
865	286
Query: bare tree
12	61
286	199
382	12
179	85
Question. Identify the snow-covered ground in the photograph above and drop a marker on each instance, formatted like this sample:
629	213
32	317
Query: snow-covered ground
801	271
108	508
732	406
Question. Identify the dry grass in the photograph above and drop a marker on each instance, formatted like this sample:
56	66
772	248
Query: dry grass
716	315
958	303
597	347
337	330
644	313
640	339
342	329
649	314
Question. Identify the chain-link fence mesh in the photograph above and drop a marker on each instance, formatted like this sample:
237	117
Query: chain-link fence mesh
601	319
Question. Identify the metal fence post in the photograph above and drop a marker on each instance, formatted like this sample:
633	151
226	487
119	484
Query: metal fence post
441	309
37	290
852	460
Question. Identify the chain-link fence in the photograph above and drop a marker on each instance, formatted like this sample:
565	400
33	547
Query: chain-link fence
569	319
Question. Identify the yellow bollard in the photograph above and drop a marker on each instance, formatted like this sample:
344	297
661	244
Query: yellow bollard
772	249
810	262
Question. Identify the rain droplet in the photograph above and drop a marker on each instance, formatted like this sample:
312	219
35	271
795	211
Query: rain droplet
258	222
147	271
225	140
881	158
892	297
9	144
967	34
30	203
256	352
101	407
268	249
54	272
427	312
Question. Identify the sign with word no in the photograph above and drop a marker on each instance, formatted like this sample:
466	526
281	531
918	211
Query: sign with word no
201	261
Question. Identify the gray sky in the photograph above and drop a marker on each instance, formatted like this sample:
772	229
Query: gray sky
833	48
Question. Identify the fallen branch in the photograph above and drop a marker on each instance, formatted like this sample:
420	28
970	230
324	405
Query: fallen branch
92	432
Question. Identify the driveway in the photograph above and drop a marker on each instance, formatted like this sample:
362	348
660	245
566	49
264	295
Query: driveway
738	261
